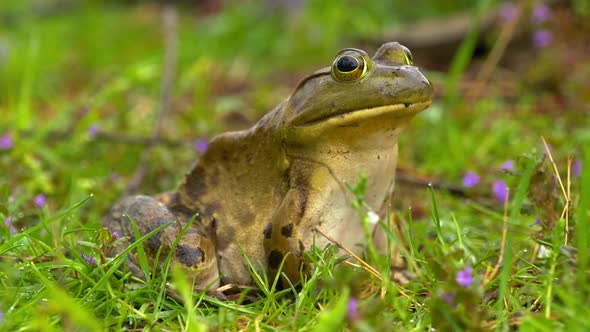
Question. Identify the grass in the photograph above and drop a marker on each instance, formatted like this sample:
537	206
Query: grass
528	253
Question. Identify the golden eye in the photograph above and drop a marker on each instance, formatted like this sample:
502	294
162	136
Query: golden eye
349	66
408	56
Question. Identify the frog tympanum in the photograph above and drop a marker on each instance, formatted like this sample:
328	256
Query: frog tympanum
262	193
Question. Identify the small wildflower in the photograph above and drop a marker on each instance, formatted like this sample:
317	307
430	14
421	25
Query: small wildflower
89	259
116	235
115	177
508	11
465	277
537	222
6	142
373	217
577	168
500	190
93	130
449	298
352	311
470	179
40	200
8	223
542	38
201	145
541	13
318	290
1	316
508	165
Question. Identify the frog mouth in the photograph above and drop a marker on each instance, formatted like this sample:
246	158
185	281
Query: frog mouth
350	117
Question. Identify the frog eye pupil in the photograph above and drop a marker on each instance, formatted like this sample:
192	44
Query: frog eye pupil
347	64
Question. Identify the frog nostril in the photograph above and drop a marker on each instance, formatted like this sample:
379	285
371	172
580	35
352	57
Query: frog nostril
395	73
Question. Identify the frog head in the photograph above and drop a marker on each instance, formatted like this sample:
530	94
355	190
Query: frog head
356	98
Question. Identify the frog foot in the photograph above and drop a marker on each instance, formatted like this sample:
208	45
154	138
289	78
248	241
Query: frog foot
192	246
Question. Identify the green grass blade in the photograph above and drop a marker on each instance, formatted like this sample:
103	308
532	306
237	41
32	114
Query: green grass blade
120	258
13	242
515	208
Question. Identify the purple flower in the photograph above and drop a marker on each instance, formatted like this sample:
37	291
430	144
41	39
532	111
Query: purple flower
577	168
537	222
1	316
352	309
115	177
508	11
500	190
89	259
8	223
542	38
6	142
93	130
116	235
470	179
40	200
201	145
449	298
541	13
465	277
508	165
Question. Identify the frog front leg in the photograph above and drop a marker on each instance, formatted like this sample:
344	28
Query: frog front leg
282	239
195	250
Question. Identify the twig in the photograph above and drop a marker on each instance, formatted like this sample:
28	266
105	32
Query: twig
227	287
566	193
495	55
366	265
554	167
490	274
418	181
114	137
141	140
169	22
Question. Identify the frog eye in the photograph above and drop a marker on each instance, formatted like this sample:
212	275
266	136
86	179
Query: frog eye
408	56
349	65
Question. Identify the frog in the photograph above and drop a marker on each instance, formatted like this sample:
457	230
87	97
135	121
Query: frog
259	199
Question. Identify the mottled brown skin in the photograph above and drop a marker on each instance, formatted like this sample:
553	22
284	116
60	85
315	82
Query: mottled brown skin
262	192
194	251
